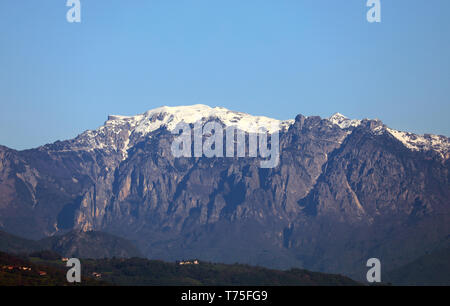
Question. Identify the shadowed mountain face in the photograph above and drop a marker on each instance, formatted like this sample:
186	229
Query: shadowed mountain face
344	191
90	245
429	270
73	244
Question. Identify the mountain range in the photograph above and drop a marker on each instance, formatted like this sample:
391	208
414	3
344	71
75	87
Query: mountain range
344	191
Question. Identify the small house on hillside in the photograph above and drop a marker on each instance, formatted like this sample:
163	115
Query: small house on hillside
188	262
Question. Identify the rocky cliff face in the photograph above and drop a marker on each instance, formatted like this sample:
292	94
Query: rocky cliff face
344	191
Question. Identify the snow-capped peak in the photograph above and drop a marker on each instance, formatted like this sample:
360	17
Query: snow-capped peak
343	122
119	133
169	117
414	142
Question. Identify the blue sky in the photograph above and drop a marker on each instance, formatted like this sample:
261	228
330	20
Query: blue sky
265	57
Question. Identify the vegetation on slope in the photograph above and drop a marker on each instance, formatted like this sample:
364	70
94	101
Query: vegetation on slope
429	270
144	272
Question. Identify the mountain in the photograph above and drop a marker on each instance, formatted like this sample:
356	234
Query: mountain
429	270
91	245
77	244
343	191
17	245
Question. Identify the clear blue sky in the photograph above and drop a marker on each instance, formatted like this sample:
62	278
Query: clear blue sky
276	58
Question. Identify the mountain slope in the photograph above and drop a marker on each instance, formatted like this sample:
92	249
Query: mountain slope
344	191
138	271
33	271
90	245
73	244
14	244
429	270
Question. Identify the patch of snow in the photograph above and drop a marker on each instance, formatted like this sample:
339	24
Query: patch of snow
425	142
126	147
440	144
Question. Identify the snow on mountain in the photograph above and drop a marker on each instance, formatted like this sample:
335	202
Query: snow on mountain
169	117
412	141
119	133
425	142
343	122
